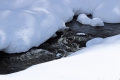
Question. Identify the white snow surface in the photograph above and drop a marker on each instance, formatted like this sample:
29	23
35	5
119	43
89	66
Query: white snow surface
96	22
94	41
82	18
97	62
28	23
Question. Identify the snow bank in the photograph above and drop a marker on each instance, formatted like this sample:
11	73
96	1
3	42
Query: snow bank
98	62
94	41
26	29
28	23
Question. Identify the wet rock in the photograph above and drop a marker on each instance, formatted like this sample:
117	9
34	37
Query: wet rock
67	43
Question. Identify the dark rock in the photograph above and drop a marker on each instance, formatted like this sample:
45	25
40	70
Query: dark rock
67	43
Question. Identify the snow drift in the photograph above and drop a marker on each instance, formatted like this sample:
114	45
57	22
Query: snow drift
28	23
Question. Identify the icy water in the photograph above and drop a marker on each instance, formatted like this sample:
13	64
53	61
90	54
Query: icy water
102	31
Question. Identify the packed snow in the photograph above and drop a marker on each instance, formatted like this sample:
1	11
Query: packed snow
96	22
94	41
28	23
84	19
96	62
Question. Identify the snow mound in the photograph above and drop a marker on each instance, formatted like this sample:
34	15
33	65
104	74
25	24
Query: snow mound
96	22
82	18
28	23
26	29
98	62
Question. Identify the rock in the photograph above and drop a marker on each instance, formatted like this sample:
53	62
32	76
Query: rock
67	43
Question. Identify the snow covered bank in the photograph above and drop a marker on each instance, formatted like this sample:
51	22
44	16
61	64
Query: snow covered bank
28	23
98	62
21	30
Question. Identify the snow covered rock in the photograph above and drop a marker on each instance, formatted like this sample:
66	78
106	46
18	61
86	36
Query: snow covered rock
96	22
82	18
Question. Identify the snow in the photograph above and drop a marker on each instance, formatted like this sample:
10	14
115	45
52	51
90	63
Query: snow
28	23
26	29
94	41
96	22
80	34
82	18
96	62
108	11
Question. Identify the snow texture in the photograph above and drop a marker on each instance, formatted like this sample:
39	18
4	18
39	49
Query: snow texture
97	62
82	18
96	22
94	41
28	23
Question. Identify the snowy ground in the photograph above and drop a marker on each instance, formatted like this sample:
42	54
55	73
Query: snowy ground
99	61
